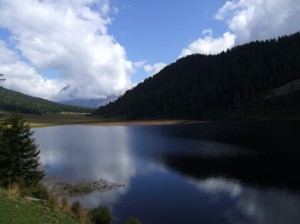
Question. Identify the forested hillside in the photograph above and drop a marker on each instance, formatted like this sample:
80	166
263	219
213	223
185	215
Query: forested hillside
14	101
232	84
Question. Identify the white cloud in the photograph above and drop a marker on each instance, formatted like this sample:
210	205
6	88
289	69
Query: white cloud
249	20
69	37
210	45
260	19
24	78
154	69
139	64
218	185
97	160
7	55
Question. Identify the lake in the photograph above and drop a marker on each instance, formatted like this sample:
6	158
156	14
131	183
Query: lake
211	172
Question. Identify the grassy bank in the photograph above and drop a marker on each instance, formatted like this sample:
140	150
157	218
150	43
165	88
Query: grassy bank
58	119
21	210
69	119
77	118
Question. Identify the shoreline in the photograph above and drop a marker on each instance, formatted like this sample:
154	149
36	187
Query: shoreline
48	120
143	123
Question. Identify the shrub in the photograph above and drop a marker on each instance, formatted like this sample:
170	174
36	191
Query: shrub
78	210
65	205
100	215
14	190
52	201
38	191
132	220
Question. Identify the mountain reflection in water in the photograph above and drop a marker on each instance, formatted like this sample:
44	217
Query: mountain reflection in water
214	172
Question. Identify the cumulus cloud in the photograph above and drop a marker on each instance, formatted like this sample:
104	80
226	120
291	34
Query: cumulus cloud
218	185
210	45
7	56
97	160
260	19
23	77
70	37
269	206
154	69
249	20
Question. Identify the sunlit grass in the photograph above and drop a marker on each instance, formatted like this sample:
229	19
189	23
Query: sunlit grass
20	210
58	119
77	118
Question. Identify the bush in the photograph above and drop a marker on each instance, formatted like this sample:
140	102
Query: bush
78	210
99	215
14	190
132	220
36	191
53	201
65	205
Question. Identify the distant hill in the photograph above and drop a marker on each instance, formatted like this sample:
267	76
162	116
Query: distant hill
252	80
91	103
14	101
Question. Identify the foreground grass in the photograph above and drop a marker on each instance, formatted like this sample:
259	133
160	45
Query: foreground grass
20	210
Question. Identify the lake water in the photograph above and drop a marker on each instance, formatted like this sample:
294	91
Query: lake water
214	172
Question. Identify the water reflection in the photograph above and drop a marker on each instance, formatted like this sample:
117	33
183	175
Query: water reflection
107	199
218	185
253	205
258	170
77	152
182	174
274	136
267	206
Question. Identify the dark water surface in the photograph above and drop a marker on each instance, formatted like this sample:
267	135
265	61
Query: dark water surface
215	172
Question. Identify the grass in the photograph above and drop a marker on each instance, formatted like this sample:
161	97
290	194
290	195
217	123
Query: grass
76	118
19	210
58	119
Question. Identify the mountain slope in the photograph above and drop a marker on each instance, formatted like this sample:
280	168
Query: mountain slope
233	84
91	103
14	101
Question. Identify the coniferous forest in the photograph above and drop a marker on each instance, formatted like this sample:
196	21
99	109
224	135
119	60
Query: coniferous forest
238	83
14	101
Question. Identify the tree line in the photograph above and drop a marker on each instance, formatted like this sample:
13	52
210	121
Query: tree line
227	85
14	101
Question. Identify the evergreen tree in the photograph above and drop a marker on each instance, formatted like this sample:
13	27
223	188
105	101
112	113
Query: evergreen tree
15	101
230	85
19	155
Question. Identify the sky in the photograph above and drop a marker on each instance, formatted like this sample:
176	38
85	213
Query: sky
88	49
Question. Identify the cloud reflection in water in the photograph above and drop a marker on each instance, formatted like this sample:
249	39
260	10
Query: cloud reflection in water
176	174
76	152
253	205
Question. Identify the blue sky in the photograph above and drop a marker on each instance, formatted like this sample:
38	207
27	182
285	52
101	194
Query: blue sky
158	30
99	48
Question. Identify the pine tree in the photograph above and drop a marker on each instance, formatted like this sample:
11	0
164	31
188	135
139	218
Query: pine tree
19	155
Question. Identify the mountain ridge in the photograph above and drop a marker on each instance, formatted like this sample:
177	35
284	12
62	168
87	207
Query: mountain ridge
11	100
90	103
230	85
